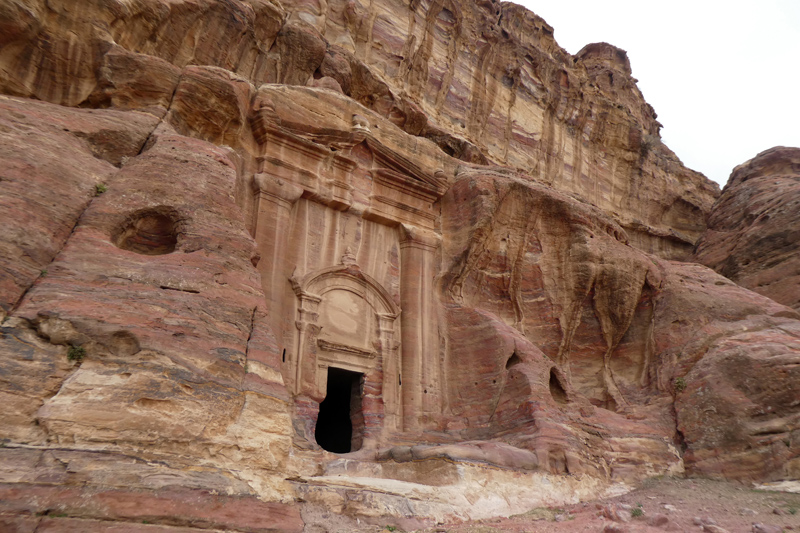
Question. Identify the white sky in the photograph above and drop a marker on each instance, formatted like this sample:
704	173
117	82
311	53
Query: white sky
723	76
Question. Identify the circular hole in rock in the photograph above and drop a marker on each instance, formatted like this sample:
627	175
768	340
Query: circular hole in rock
124	344
152	231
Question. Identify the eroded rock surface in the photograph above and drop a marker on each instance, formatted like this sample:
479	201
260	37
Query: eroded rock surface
485	81
388	259
753	231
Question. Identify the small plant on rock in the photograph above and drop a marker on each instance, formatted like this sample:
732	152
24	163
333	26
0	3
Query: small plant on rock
637	511
76	353
100	188
680	384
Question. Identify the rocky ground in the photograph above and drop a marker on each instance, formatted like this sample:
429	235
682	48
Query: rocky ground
681	505
206	206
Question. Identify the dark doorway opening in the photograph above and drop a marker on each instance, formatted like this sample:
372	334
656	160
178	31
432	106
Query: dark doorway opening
340	425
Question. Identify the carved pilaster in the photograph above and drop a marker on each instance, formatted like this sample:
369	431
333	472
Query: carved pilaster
276	190
391	370
307	331
274	210
421	370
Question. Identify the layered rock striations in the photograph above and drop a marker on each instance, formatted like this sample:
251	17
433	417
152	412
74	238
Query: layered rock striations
485	81
752	235
389	259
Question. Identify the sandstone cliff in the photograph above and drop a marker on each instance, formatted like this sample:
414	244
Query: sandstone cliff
393	259
485	81
752	236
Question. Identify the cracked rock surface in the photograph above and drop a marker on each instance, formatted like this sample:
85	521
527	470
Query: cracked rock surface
218	213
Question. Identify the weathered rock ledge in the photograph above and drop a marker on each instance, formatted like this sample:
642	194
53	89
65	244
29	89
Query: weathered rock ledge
753	230
485	81
407	260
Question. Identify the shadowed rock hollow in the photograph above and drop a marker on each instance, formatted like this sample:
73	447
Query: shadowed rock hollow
394	259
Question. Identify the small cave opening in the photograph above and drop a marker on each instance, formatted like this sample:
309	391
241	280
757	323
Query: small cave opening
340	424
149	232
610	404
514	360
556	389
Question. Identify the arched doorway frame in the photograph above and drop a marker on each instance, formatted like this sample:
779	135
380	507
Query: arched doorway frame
313	356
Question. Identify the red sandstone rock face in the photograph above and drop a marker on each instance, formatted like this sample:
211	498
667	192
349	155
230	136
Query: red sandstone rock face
753	232
144	332
86	508
730	357
53	160
589	320
486	82
267	191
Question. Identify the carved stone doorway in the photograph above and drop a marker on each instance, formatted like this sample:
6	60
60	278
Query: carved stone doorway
340	425
347	321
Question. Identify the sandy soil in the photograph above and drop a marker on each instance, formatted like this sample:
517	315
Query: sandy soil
690	505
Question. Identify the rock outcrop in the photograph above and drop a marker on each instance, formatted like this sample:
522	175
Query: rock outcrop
390	259
753	230
485	81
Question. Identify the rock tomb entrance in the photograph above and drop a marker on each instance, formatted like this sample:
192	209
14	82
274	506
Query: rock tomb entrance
340	425
349	281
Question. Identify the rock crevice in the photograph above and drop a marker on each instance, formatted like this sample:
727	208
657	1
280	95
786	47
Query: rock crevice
425	213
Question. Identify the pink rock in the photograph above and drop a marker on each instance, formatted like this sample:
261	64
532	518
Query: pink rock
753	232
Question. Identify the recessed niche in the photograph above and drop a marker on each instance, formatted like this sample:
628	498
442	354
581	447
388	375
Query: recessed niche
556	389
514	360
152	231
124	343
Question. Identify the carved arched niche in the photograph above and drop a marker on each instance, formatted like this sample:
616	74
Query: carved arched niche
347	320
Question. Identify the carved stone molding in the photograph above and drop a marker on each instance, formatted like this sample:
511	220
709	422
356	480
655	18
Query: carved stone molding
351	277
276	189
413	236
372	352
321	173
338	347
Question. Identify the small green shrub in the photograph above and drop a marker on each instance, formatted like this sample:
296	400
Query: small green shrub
76	353
636	512
43	273
649	142
792	510
680	384
100	188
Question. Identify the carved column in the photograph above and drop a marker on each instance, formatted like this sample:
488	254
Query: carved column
275	200
391	370
307	331
421	379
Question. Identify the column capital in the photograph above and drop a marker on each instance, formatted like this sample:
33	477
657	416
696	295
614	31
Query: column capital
418	237
276	188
